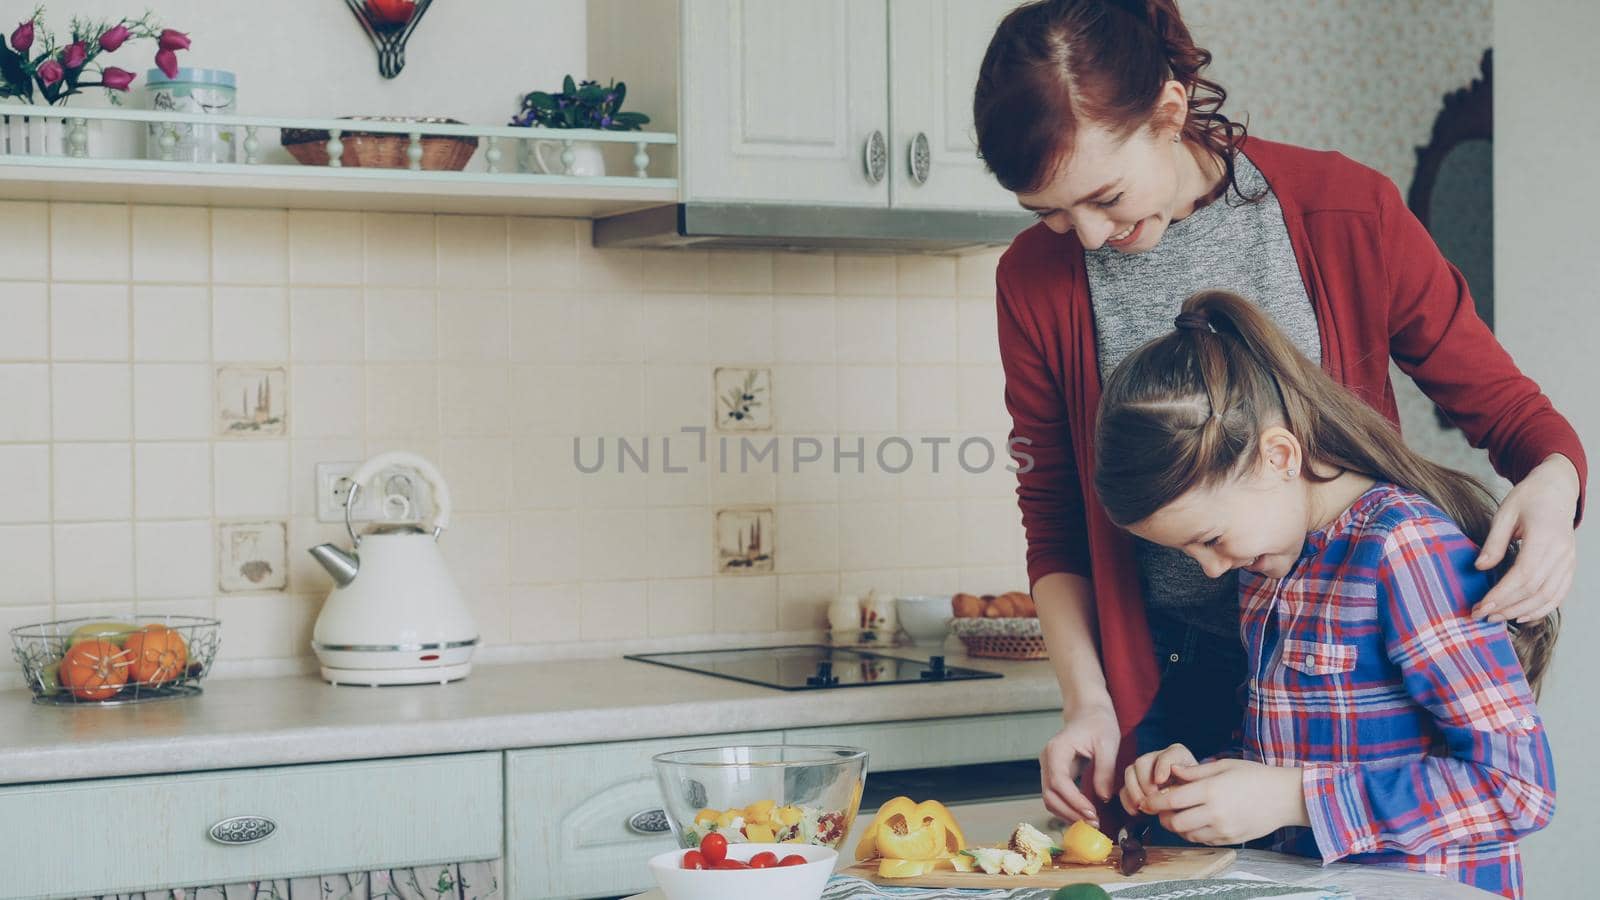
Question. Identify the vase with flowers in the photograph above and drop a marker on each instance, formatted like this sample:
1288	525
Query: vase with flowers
37	66
579	104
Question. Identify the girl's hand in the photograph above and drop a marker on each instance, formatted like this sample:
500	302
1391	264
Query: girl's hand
1230	801
1538	511
1150	773
1091	734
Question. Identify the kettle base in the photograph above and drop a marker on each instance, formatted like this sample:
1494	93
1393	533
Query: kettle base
382	677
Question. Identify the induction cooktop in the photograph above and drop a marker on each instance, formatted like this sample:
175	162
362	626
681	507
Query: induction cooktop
805	667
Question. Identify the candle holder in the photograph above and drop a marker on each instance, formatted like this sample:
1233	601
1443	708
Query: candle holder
388	24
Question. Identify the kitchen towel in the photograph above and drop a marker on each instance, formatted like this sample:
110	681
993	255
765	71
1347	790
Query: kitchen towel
1231	888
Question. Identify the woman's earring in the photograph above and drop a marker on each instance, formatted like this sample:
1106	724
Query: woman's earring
1293	472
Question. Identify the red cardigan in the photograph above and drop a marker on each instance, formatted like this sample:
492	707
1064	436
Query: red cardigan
1377	282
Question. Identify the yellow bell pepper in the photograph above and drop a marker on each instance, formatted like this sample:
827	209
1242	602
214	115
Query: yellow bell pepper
705	817
760	834
905	868
759	812
933	810
1083	843
787	816
867	847
900	837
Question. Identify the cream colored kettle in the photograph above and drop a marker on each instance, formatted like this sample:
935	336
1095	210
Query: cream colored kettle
395	616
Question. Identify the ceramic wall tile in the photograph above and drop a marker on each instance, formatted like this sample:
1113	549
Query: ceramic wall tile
866	329
325	247
24	240
402	400
251	402
327	401
746	541
743	605
89	321
171	244
89	242
742	328
545	613
472	251
252	556
25	308
26	558
543	254
172	480
25	402
171	323
25	482
864	274
743	399
249	246
614	610
173	559
400	250
681	606
88	402
249	324
805	328
803	600
326	324
802	273
251	479
172	401
400	324
93	482
93	562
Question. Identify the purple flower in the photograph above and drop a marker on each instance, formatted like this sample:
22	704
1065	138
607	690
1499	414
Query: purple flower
50	72
114	37
22	38
75	55
116	79
167	62
173	40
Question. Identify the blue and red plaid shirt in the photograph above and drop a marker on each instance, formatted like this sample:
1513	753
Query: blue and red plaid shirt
1412	720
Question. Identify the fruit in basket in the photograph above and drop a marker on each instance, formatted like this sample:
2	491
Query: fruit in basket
1010	605
94	669
159	655
50	680
111	632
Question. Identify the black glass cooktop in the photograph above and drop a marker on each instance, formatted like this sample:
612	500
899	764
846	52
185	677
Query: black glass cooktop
804	667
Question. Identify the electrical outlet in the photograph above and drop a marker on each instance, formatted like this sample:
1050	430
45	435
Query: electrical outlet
396	494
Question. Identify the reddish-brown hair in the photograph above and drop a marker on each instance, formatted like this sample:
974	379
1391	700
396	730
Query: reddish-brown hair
1053	65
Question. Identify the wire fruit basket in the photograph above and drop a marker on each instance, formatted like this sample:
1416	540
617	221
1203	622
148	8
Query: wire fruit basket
98	662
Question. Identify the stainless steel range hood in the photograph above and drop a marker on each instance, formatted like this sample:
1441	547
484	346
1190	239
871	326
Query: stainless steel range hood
772	225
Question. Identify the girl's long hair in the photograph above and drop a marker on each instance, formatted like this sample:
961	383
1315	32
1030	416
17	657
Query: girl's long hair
1186	410
1054	65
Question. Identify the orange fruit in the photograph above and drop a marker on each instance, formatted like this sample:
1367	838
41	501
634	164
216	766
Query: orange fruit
94	669
158	654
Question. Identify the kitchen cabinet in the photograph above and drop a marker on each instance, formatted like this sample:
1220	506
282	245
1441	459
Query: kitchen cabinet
864	103
125	835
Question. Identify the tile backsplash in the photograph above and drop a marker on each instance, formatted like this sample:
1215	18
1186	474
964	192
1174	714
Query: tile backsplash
642	446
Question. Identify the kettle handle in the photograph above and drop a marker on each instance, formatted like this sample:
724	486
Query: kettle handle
441	491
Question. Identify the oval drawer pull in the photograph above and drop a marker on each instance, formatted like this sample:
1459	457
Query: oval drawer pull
649	821
240	830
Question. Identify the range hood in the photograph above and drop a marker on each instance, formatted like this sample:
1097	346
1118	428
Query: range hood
712	225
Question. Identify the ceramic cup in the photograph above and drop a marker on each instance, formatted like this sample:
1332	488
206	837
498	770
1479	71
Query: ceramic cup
587	160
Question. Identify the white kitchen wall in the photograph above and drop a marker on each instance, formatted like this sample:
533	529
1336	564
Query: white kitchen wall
487	343
1546	190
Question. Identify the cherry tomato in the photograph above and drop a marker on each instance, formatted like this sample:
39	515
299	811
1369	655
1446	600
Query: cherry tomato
766	859
694	859
793	859
714	847
729	864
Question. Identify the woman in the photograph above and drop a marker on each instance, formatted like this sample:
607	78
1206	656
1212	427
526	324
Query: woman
1095	114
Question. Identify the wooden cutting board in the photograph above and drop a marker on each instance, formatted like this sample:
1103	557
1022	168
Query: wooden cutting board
1163	864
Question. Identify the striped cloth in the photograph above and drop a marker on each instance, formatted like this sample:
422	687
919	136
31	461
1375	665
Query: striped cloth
1412	720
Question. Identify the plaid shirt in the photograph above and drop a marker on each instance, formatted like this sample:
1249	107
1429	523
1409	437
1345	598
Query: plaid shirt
1412	720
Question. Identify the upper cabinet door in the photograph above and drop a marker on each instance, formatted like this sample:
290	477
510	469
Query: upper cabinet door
781	99
935	48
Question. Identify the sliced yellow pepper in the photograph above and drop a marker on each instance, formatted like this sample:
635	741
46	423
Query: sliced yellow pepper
903	838
905	868
760	834
1083	843
867	847
705	817
759	812
933	810
787	815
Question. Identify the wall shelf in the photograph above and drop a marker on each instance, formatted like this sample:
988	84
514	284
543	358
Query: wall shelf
483	188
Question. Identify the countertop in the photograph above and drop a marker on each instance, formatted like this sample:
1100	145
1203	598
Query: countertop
275	721
1364	882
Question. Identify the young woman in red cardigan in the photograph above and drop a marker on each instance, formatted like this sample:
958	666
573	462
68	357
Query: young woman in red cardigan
1096	115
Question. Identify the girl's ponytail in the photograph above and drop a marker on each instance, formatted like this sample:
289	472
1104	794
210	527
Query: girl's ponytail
1186	410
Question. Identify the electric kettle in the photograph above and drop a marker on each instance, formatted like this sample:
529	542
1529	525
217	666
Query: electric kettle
395	616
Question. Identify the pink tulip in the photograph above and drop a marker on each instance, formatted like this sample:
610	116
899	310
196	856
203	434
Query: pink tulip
75	55
173	40
22	38
50	72
116	79
167	62
114	37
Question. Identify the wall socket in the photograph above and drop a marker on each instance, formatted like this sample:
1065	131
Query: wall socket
397	494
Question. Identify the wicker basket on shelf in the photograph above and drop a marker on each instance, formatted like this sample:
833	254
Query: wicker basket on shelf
1001	638
374	150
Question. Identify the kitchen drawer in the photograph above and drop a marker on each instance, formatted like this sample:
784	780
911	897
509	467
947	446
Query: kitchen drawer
567	812
132	834
939	742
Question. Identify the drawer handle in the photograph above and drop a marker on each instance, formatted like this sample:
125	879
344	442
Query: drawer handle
649	822
241	830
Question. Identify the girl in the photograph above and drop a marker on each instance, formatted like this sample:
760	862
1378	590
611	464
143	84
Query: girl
1097	114
1384	723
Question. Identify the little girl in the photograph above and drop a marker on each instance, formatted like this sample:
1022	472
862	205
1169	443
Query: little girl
1384	724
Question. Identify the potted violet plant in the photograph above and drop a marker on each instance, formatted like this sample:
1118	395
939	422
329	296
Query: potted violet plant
581	104
37	67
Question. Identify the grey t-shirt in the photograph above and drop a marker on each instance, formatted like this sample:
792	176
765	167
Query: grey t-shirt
1228	245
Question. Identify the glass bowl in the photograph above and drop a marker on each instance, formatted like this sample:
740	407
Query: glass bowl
762	794
106	662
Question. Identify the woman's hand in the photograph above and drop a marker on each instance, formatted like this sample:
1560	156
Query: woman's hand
1538	511
1230	801
1150	773
1090	734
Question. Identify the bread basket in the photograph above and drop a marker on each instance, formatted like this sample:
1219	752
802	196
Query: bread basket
375	150
1001	638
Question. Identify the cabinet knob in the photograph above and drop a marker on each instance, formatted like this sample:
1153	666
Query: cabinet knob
875	157
919	158
649	822
240	830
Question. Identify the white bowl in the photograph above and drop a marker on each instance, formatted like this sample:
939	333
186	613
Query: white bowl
926	618
778	883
